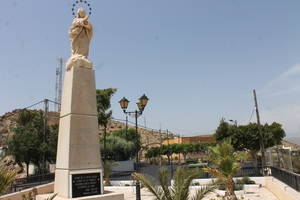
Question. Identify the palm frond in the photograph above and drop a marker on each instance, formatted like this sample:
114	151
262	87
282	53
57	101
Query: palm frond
156	191
203	191
163	180
190	175
6	178
51	197
178	182
215	173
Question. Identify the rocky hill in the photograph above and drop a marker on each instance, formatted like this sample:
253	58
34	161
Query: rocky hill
7	124
149	137
295	140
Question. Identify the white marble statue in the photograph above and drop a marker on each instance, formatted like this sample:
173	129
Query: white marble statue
80	34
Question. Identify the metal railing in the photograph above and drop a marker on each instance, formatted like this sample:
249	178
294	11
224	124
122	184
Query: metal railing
249	171
31	181
289	178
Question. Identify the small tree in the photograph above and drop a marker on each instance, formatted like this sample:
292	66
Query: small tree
179	190
108	166
247	137
29	144
103	106
129	135
226	163
118	148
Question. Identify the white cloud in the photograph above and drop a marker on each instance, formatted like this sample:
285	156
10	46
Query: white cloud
286	83
288	116
285	87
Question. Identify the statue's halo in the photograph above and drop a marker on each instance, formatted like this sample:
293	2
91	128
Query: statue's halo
86	3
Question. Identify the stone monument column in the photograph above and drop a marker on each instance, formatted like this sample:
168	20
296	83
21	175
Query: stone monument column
79	172
78	166
78	152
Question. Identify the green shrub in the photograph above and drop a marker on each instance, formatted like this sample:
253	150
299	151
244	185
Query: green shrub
247	180
239	181
222	185
238	187
244	180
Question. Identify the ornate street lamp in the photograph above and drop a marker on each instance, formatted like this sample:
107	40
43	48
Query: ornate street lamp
143	100
124	103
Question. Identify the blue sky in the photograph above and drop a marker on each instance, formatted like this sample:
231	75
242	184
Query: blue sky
197	60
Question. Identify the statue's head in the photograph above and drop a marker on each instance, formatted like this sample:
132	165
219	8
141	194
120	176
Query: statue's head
81	13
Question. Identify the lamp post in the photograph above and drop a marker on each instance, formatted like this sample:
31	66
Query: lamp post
143	100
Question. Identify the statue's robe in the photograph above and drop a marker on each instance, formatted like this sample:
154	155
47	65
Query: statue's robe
80	34
81	37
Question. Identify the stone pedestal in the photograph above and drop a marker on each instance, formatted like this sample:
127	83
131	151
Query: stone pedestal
79	172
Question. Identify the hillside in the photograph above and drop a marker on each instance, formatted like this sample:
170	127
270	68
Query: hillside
294	146
148	137
7	123
295	140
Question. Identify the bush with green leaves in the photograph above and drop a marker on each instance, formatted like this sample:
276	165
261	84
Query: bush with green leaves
117	148
246	180
120	145
31	143
184	149
247	137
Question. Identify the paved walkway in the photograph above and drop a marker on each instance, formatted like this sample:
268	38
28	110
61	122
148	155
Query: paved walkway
129	194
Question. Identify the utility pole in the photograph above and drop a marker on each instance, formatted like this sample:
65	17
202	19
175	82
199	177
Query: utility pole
168	136
171	159
58	84
160	163
261	142
46	108
179	143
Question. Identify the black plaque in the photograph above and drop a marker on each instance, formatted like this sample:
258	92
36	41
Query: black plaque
86	184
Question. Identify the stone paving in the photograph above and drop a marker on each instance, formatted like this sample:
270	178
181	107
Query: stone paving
129	194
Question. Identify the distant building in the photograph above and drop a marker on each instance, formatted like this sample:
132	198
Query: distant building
188	140
192	139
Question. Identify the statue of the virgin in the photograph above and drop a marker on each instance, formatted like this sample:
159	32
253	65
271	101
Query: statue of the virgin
80	34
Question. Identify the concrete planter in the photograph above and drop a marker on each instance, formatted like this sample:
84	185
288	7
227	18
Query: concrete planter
251	188
222	192
122	183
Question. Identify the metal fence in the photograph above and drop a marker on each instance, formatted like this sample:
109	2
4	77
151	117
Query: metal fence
289	178
31	181
249	171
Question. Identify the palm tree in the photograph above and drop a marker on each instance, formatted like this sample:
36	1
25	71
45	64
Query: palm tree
7	177
226	163
179	190
108	166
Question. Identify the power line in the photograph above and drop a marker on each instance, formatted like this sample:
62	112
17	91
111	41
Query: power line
33	105
251	114
30	106
141	126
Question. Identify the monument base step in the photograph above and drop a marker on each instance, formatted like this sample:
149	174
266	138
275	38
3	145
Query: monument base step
108	195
